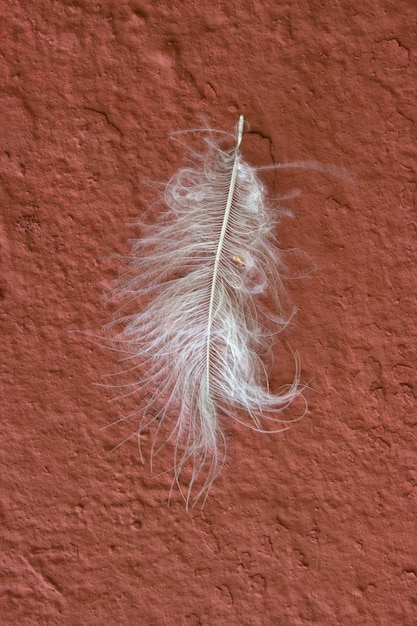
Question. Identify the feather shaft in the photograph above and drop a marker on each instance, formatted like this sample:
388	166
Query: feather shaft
220	246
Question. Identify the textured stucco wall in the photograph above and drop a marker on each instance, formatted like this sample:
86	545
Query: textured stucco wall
313	526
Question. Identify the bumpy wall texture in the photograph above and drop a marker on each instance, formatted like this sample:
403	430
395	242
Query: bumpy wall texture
313	526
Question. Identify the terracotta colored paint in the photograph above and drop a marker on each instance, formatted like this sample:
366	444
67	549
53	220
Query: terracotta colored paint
316	525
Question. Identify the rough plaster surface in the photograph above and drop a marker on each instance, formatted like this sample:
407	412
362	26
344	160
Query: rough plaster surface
314	526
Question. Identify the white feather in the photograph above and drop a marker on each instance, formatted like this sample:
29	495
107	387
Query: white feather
202	270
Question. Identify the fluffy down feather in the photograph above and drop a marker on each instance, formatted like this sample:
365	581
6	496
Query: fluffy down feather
199	274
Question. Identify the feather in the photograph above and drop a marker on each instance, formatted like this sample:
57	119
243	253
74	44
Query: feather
200	275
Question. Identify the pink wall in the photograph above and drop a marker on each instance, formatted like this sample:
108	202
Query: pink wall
313	526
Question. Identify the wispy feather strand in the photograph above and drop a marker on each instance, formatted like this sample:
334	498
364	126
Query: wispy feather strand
202	269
